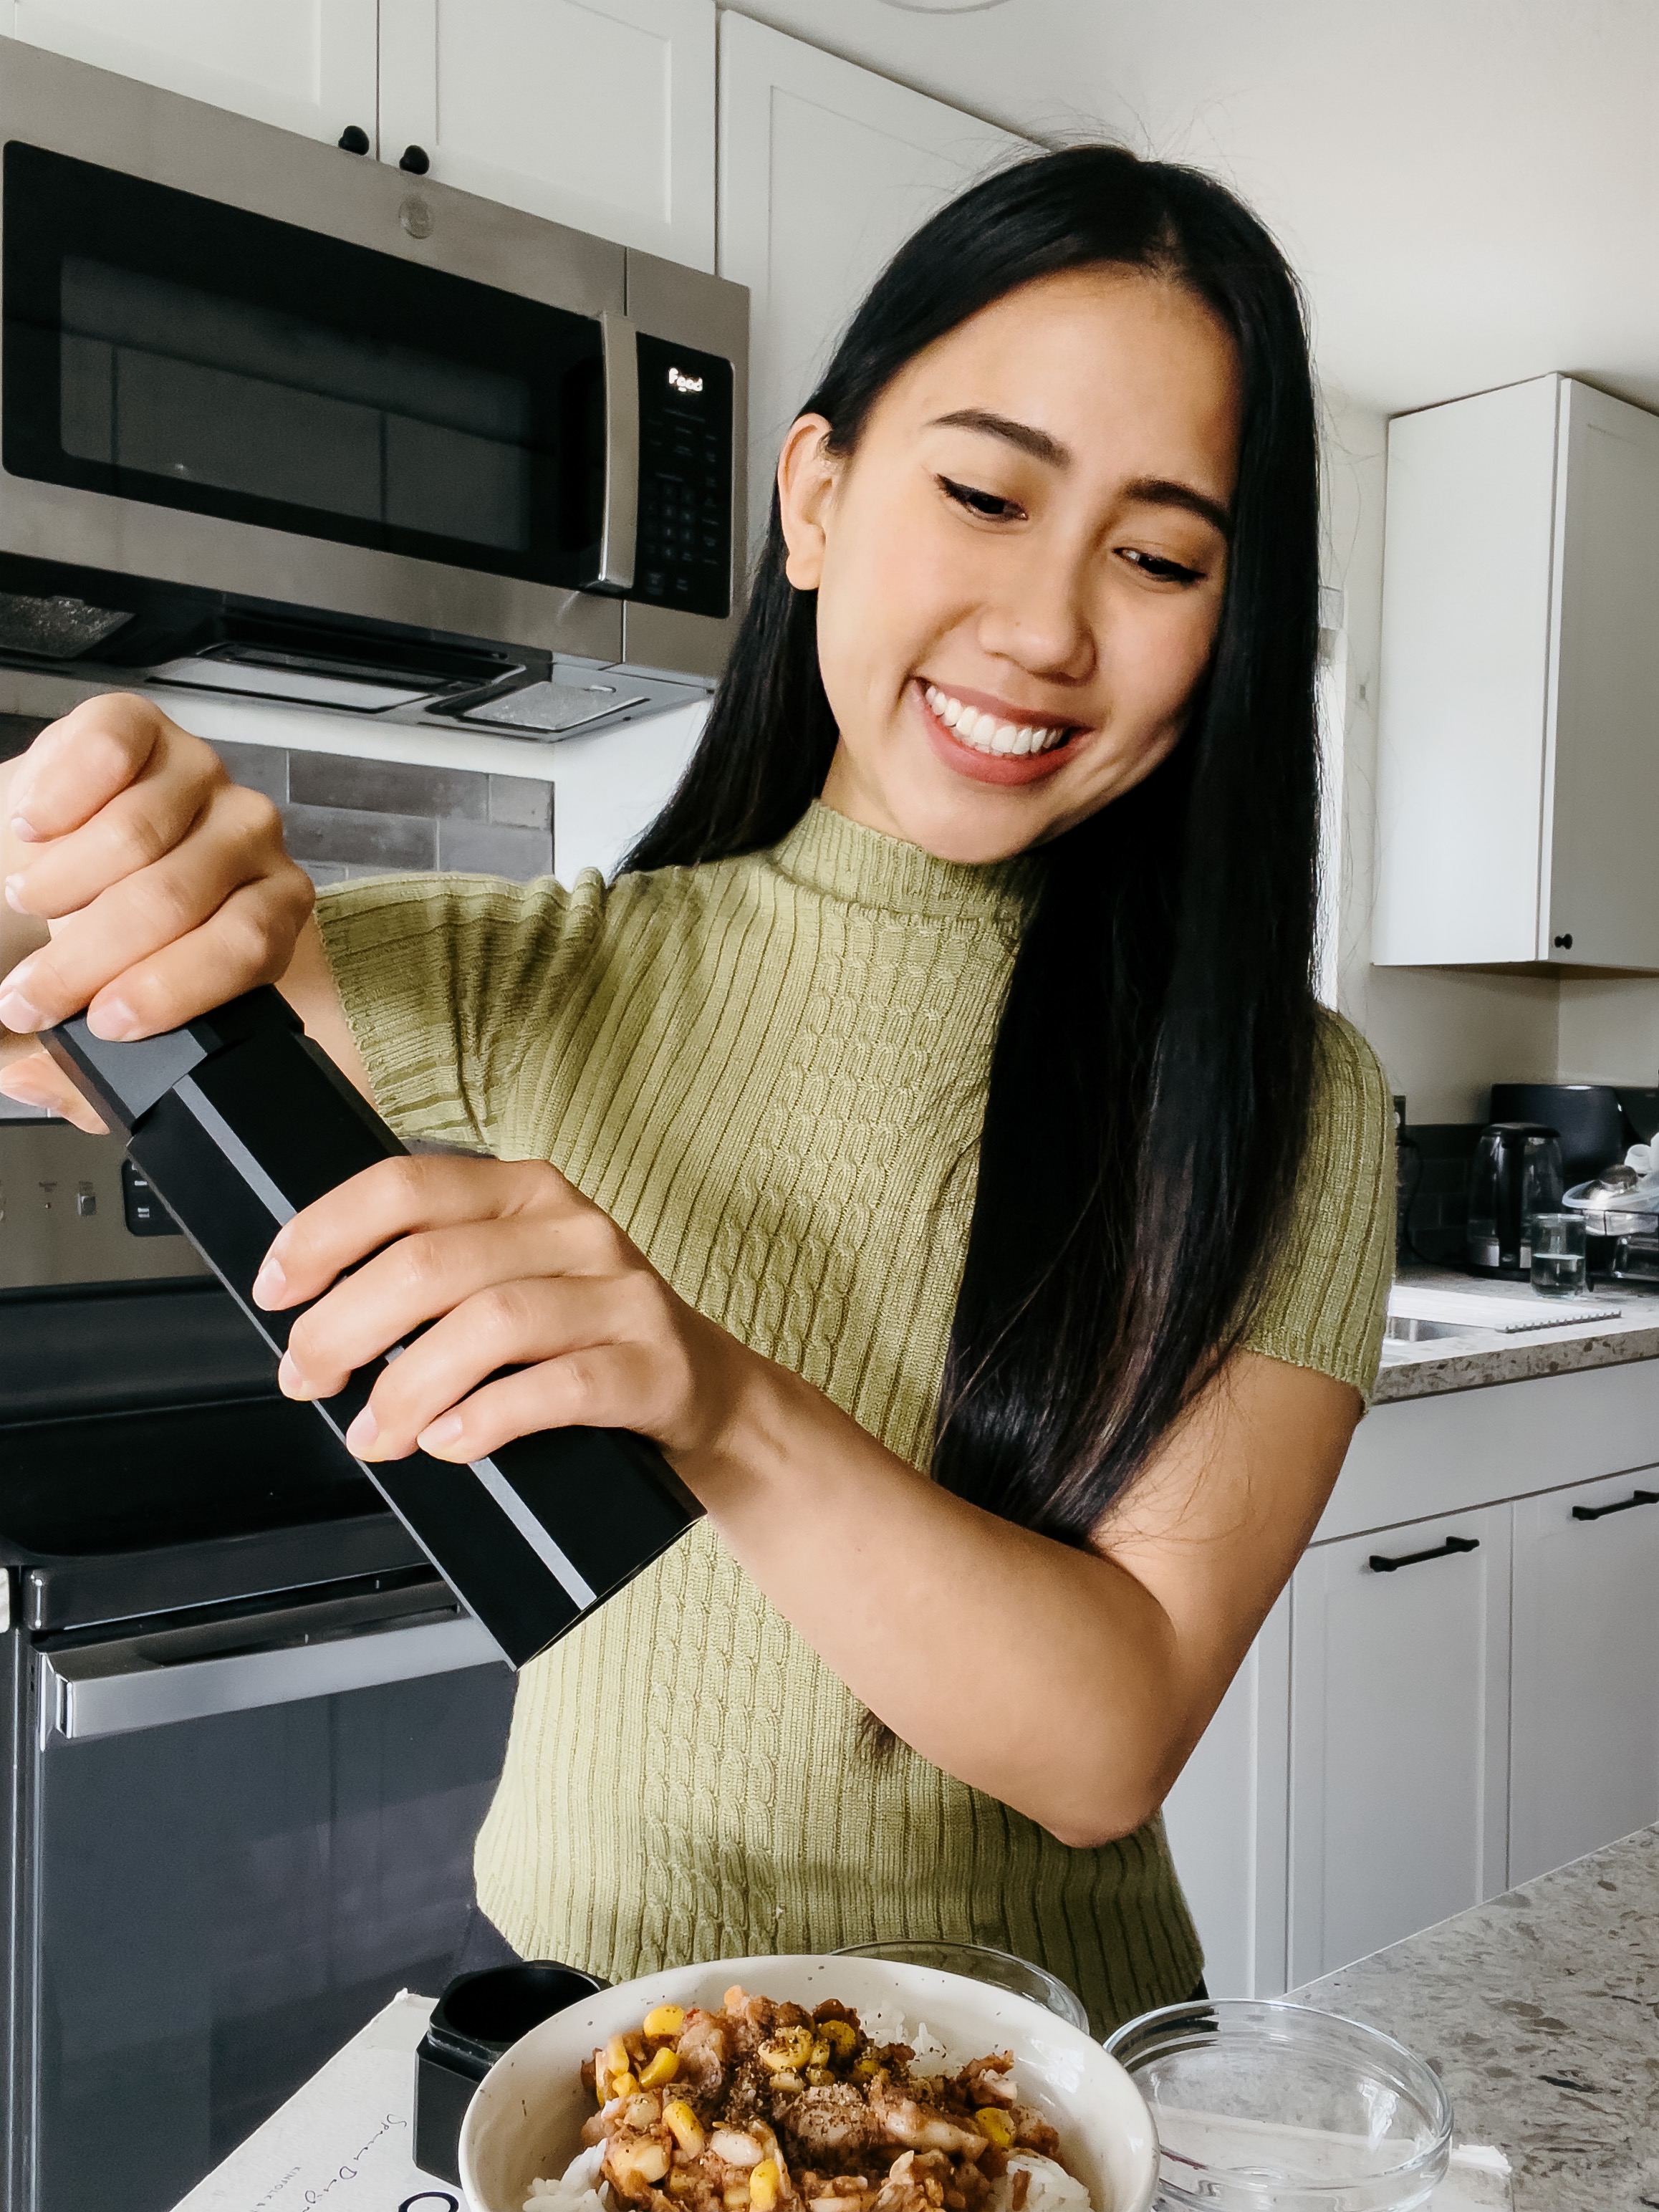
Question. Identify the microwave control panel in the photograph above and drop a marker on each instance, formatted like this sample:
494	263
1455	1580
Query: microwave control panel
683	553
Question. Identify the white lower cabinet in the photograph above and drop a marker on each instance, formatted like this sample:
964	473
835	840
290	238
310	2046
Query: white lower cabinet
1585	1731
1398	1734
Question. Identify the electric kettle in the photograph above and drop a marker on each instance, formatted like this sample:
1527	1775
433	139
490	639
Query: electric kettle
1515	1174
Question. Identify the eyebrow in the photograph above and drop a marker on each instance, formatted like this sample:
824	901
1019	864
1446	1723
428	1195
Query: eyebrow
1147	491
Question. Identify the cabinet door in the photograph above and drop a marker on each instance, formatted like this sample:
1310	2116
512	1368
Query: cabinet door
1398	1734
1225	1821
304	64
1584	1679
1602	888
825	170
599	113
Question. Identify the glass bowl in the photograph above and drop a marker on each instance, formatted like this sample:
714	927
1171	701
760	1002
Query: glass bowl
1269	2107
979	1963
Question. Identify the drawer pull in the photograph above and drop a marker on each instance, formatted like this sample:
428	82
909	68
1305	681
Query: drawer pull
1380	1564
1598	1512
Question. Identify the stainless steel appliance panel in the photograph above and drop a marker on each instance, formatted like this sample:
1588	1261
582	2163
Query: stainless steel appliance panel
94	117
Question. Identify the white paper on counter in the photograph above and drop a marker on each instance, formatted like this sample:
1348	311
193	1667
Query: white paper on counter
1524	1309
345	2140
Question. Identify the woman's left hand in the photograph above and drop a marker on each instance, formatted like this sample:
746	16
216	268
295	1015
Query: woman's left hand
511	1268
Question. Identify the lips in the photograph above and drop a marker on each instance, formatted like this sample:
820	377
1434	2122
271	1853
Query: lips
991	747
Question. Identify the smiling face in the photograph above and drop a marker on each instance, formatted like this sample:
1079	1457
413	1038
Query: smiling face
1020	568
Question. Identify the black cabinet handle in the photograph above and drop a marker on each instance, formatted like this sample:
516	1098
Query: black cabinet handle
1565	943
1600	1512
416	160
1380	1564
354	139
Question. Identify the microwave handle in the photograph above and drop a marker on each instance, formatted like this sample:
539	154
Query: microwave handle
622	453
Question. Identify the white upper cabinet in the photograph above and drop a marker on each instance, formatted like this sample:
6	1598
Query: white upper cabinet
1585	1727
599	113
825	170
303	64
1518	751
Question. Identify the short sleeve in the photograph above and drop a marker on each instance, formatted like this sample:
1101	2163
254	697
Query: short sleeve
442	978
1327	1291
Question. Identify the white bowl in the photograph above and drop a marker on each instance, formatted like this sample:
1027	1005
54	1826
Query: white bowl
526	2118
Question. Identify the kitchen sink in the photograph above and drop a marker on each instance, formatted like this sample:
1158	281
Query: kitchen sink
1407	1329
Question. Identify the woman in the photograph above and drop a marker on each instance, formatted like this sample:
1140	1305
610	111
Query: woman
950	1168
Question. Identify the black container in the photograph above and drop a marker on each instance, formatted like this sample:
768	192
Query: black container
478	2017
239	1120
1585	1116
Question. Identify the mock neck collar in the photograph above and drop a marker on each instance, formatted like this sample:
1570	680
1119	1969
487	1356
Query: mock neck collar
826	852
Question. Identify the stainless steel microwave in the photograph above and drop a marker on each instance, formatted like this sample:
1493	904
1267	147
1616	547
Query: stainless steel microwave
279	418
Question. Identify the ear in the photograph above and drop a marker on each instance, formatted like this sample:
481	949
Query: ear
806	483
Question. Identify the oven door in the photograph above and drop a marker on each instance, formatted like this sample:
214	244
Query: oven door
245	1834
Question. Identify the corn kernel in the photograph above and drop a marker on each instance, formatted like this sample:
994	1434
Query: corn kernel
624	2085
819	2054
764	2186
867	2067
666	2019
840	2034
818	2077
737	2197
995	2126
663	2066
792	2049
685	2126
616	2060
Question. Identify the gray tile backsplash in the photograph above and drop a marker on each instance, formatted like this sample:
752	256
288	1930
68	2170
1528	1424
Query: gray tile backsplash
346	817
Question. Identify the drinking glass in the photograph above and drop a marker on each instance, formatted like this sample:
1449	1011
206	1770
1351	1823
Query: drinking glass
1558	1254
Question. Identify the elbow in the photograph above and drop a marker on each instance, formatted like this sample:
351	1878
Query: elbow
1090	1828
1126	1794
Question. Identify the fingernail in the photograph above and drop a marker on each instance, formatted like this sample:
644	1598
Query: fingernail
361	1435
14	893
16	1014
111	1019
289	1380
24	830
269	1285
443	1430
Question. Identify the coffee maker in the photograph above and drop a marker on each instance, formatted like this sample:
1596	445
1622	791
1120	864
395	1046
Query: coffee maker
1515	1173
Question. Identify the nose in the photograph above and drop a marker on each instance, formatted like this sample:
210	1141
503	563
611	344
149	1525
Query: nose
1042	618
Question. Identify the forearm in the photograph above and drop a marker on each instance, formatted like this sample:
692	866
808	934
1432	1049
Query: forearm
1044	1675
308	986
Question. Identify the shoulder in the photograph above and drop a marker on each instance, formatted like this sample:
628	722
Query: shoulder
1327	1287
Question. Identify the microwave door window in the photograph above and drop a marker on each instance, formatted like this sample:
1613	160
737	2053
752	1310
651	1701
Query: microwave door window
206	358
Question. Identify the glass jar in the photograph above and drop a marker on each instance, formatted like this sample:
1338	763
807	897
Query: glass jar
1263	2107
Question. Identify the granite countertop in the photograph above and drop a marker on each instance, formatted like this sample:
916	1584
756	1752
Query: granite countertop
1478	1357
1540	2013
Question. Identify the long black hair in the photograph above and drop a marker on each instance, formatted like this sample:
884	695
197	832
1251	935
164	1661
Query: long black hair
1150	1080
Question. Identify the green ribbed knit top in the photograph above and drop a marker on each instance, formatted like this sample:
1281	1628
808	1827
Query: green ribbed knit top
771	1073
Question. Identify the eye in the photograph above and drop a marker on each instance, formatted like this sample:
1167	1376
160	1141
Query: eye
986	503
1160	570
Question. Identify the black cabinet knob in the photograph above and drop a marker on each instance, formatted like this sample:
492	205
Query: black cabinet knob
1565	943
354	139
416	160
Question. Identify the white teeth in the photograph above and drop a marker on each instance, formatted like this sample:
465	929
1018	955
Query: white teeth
985	733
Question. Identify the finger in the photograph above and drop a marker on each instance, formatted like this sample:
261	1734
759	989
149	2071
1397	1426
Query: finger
402	1197
608	1386
79	764
151	816
145	912
419	1278
511	1325
37	1080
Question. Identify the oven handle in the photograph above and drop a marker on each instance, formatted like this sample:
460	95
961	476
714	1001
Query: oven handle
85	1709
622	453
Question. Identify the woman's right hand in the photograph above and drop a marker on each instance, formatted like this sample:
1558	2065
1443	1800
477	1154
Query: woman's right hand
168	886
